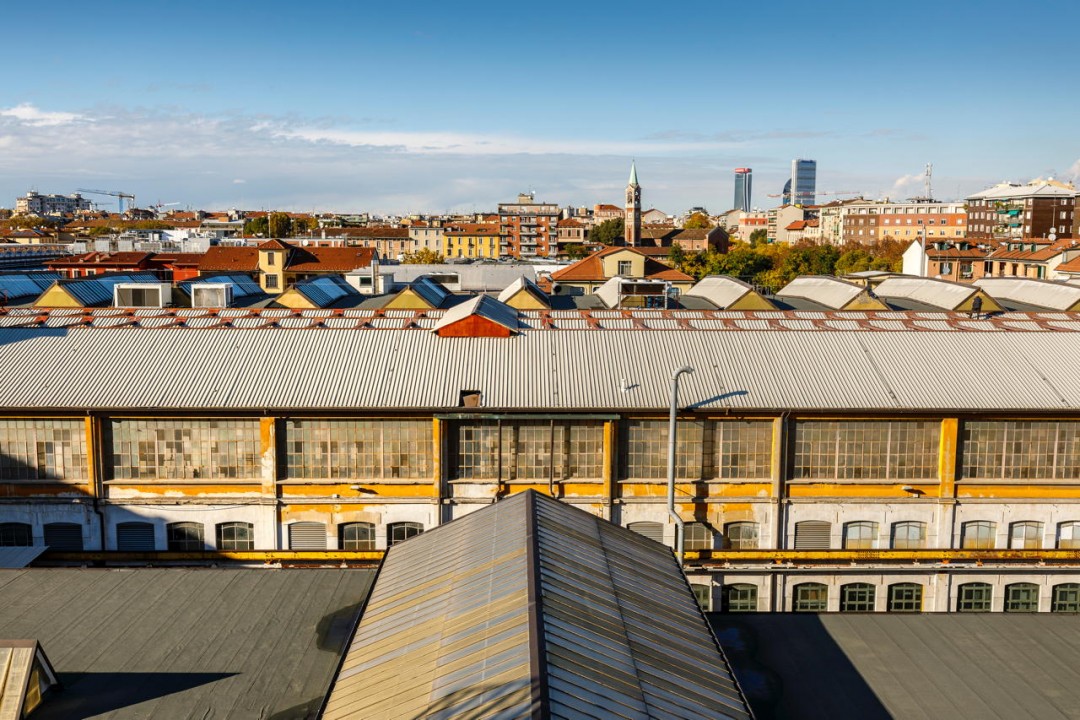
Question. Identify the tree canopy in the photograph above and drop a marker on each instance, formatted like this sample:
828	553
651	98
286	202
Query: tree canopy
423	256
608	232
697	220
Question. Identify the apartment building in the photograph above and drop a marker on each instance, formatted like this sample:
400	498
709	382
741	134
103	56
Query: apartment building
528	228
868	222
1040	208
470	240
37	204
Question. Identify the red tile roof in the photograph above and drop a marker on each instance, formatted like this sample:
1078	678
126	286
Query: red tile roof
591	269
230	259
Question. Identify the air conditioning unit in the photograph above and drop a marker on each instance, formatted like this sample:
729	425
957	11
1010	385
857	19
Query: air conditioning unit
211	295
142	295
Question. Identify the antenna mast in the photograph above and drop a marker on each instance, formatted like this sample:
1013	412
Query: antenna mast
926	181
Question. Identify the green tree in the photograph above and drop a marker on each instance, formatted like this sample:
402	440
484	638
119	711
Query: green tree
697	220
759	237
740	262
256	226
676	255
855	259
609	232
423	256
575	251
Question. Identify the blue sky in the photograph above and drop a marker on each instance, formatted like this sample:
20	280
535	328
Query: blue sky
430	107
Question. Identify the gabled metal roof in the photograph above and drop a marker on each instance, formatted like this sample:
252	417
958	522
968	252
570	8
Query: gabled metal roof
429	291
830	292
1032	293
483	306
927	291
23	287
326	290
531	608
18	661
99	290
720	290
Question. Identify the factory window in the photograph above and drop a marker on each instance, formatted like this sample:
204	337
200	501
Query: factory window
49	450
213	450
741	536
699	536
356	536
186	536
1022	597
810	597
1025	535
397	532
63	536
16	535
1066	598
974	597
235	536
978	535
905	597
703	595
1021	450
866	450
358	449
528	450
860	535
908	535
857	597
1069	535
721	450
740	597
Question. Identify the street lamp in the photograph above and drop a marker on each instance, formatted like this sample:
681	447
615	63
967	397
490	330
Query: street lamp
679	534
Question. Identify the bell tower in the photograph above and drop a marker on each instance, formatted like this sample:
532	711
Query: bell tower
632	232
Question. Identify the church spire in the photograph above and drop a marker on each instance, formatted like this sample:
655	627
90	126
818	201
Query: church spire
633	174
632	219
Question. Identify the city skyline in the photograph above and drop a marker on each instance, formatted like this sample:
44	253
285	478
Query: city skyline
426	108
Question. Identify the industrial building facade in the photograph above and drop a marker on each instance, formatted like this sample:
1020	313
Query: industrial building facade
818	466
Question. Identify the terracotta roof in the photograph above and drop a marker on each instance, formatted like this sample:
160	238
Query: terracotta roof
178	258
471	229
1072	266
275	245
953	253
230	259
570	222
330	259
1043	253
100	259
797	225
591	269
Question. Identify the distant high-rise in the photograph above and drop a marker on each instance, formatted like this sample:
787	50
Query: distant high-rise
743	176
803	182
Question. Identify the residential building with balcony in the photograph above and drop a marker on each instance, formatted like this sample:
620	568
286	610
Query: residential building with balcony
1038	209
37	204
528	229
470	240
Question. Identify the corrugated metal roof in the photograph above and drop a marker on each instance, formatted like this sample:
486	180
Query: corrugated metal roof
22	287
19	557
830	292
244	289
484	306
1037	293
532	608
429	291
80	368
927	291
326	290
720	290
99	290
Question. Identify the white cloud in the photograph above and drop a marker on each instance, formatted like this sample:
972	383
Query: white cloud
239	181
1074	171
30	115
906	181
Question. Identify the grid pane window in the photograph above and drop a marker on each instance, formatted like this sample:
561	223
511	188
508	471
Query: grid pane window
743	449
235	536
397	532
647	448
16	535
978	535
185	450
699	536
703	595
358	449
1022	597
905	597
740	597
860	535
1021	450
908	535
527	449
1066	598
857	597
1069	535
742	535
810	597
706	449
866	450
974	597
1025	535
185	536
356	536
39	449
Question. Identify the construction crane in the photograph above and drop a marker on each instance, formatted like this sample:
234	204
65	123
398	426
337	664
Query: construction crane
120	195
831	192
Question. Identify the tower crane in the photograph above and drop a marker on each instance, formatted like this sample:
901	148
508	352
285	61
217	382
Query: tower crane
120	195
832	192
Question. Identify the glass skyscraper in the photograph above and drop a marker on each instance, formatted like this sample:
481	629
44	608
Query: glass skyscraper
803	182
743	176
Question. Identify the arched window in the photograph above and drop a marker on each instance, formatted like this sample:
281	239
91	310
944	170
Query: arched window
812	535
860	535
978	535
64	536
810	597
1022	597
908	535
1066	598
397	532
905	597
1069	535
356	536
135	537
186	537
699	536
1026	535
974	597
651	530
16	535
857	597
235	536
307	536
740	597
741	536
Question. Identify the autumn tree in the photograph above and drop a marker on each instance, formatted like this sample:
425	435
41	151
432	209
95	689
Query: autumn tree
423	256
697	220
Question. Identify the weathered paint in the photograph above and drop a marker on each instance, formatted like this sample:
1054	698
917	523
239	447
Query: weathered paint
855	490
368	491
950	428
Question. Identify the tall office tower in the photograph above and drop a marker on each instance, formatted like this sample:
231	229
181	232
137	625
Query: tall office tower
803	182
743	176
786	193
